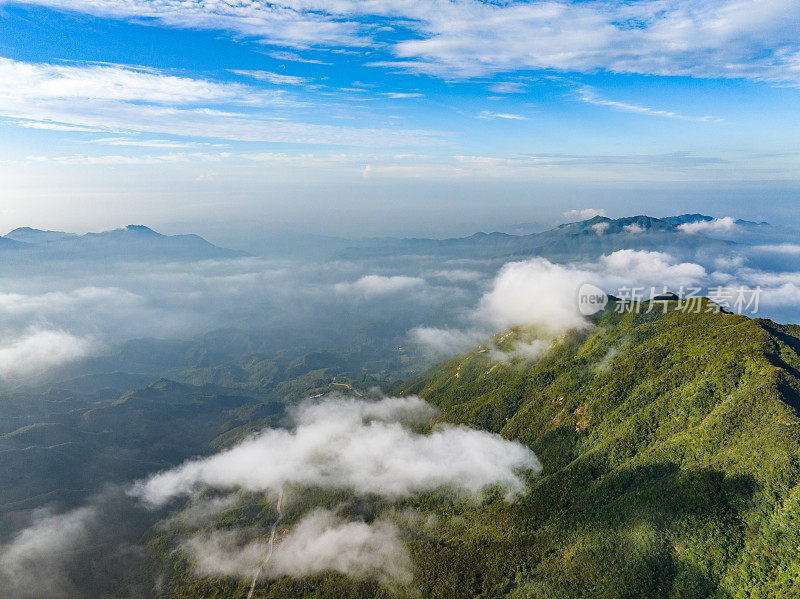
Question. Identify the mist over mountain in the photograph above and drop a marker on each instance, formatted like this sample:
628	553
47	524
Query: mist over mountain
35	236
583	239
235	390
668	442
422	300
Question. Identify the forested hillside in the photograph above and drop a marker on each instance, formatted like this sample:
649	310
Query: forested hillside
670	445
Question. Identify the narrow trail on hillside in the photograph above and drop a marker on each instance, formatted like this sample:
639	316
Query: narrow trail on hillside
271	545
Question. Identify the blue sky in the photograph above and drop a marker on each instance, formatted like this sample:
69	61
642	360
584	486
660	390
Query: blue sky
344	114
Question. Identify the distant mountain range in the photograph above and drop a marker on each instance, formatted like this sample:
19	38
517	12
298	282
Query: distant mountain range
583	239
133	242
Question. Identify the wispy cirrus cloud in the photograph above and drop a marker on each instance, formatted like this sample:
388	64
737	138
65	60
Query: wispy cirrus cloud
275	78
296	26
172	158
132	142
488	114
507	87
27	81
117	98
401	95
48	126
590	96
748	39
294	57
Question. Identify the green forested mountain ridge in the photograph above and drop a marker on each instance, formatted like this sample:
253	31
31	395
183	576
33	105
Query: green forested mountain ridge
671	453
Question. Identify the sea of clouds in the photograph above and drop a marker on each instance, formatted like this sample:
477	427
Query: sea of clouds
371	448
52	315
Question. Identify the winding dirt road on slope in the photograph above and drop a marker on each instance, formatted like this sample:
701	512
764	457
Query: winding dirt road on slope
271	545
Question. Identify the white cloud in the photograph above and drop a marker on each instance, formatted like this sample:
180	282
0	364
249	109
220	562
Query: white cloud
358	445
231	552
538	293
731	261
488	114
99	312
780	248
754	39
633	228
33	564
83	552
540	296
215	124
142	143
321	541
276	78
652	269
524	351
507	87
174	157
38	350
600	228
54	126
110	301
280	24
401	95
717	225
200	512
293	57
588	95
35	82
731	38
543	297
583	214
114	98
446	341
376	285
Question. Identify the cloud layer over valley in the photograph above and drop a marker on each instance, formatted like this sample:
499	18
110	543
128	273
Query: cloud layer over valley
365	447
439	306
321	541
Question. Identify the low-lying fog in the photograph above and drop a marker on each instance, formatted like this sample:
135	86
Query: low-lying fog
57	311
60	317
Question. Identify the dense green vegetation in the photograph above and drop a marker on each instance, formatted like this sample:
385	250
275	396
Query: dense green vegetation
62	445
671	453
670	445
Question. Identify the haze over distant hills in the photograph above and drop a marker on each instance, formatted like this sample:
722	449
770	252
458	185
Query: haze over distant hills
583	239
133	242
667	436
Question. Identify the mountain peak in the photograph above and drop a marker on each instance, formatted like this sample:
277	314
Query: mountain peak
140	229
683	219
31	235
131	242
